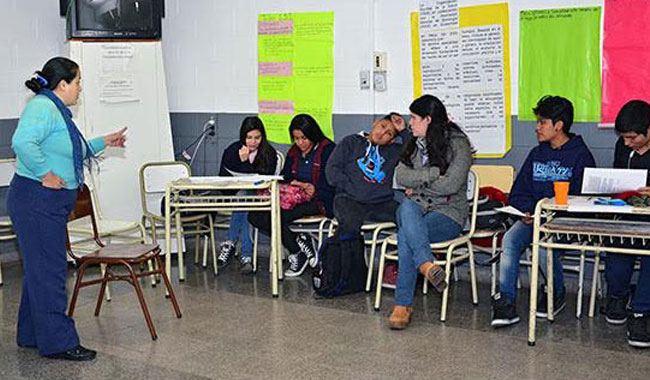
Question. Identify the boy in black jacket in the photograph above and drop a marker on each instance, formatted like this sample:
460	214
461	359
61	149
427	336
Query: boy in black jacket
632	152
361	168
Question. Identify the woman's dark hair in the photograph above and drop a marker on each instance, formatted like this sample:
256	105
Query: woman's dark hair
633	117
54	71
308	126
265	151
438	132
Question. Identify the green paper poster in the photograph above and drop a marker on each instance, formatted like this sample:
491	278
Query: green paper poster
295	70
559	54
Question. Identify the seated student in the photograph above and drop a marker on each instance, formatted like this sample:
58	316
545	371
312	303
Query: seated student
560	156
305	168
251	154
433	168
632	152
361	168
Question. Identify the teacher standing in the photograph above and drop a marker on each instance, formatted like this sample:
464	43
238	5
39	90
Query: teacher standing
50	155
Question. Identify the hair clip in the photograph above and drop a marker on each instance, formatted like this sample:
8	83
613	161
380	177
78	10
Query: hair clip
41	79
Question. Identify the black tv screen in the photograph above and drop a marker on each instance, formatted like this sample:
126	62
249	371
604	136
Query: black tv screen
114	19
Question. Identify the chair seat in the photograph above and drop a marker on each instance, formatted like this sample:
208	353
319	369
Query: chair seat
392	239
487	232
310	219
374	226
121	252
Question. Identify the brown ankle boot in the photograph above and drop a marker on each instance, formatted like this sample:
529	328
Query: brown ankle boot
400	317
435	274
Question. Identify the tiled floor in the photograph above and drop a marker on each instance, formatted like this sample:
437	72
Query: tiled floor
233	329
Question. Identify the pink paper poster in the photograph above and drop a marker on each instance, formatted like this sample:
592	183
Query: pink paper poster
626	55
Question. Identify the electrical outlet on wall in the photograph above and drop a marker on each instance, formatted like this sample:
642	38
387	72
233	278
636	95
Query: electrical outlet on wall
380	61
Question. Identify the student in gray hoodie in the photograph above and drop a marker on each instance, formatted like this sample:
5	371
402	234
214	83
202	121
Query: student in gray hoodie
433	169
361	168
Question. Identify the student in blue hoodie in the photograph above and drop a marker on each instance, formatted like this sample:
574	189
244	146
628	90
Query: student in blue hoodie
560	156
361	169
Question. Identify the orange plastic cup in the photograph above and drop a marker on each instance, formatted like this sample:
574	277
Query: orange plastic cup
561	192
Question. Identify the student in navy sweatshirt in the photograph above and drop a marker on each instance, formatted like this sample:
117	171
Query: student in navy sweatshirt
361	169
560	156
632	152
251	154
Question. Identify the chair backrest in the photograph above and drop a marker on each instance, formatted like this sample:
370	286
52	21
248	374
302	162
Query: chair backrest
473	185
154	178
500	176
83	207
280	164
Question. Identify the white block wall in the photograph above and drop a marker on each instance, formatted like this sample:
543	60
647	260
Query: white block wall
31	32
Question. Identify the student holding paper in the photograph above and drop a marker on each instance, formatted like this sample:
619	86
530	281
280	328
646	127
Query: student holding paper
632	152
560	156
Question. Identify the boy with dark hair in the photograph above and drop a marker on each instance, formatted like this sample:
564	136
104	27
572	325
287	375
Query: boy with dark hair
361	168
632	152
560	156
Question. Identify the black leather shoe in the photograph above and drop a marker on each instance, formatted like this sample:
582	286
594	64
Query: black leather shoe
77	354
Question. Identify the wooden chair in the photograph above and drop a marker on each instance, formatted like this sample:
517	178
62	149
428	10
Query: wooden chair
126	255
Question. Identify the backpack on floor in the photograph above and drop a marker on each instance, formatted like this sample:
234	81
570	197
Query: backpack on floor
341	268
487	217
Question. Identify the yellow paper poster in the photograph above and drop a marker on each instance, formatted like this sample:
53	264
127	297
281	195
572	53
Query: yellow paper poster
471	75
295	70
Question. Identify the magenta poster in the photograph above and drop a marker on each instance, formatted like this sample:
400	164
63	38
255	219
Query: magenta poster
626	55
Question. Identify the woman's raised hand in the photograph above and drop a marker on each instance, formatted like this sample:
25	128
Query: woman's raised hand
116	138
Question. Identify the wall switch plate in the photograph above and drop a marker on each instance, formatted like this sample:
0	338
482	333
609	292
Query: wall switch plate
380	61
364	79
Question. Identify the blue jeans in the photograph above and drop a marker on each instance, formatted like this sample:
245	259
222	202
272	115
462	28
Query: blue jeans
515	241
418	228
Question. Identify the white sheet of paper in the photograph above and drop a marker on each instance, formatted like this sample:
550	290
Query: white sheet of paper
611	181
510	210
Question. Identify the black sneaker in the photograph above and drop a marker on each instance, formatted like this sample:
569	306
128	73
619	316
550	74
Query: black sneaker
637	330
306	245
246	265
616	310
227	251
297	264
559	304
503	313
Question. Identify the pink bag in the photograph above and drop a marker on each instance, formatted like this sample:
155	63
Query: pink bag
290	196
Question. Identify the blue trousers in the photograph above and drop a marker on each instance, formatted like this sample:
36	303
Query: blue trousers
618	273
416	228
515	242
39	216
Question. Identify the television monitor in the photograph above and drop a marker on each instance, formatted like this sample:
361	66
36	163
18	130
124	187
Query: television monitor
114	19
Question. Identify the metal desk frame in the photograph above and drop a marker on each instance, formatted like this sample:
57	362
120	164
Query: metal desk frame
185	203
593	243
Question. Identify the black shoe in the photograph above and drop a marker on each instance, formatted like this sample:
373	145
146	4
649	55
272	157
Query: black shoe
246	265
503	313
227	251
637	330
77	354
559	304
616	310
306	245
297	264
